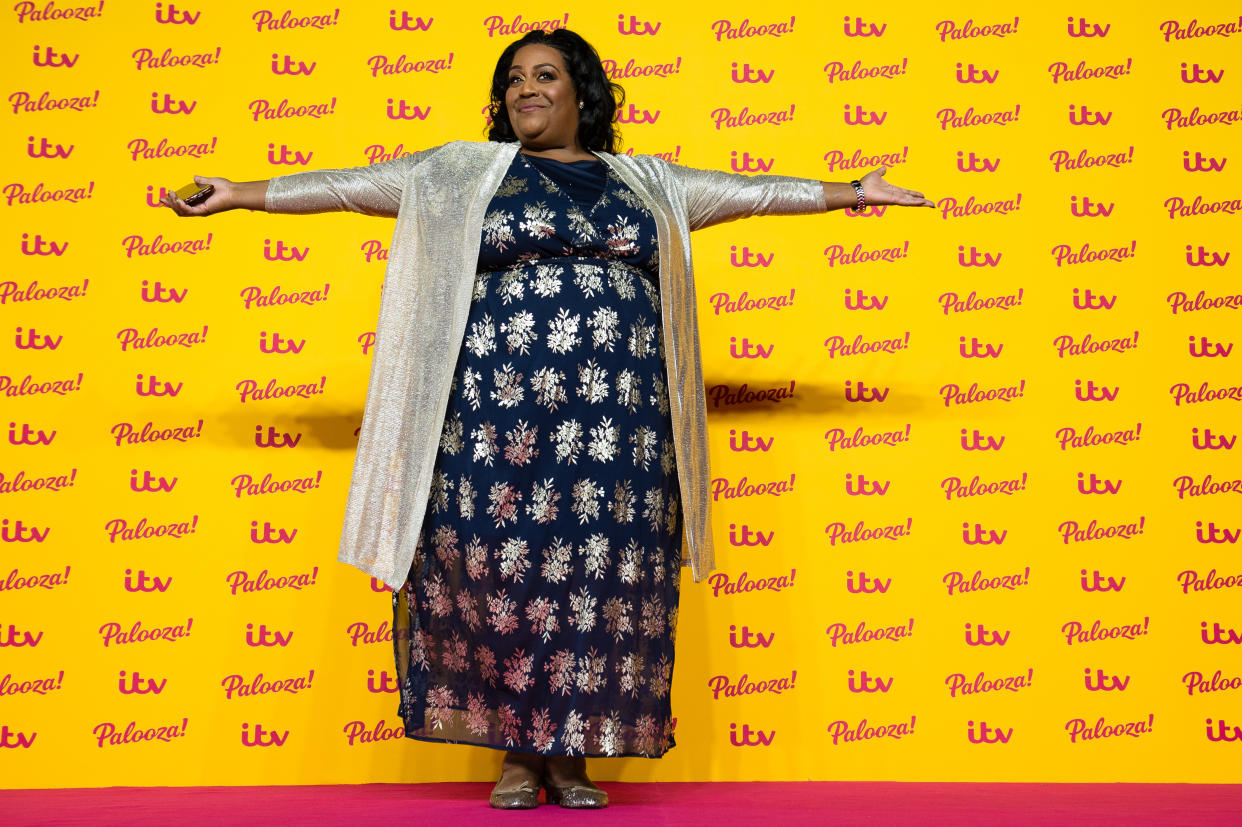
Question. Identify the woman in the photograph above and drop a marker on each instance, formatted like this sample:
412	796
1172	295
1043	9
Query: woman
535	423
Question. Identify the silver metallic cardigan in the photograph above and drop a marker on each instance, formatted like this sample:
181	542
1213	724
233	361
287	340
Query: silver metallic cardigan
439	197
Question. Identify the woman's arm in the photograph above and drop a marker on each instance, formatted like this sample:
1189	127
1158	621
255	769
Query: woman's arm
713	196
372	190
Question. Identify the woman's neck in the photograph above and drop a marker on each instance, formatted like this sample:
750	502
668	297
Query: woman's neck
560	153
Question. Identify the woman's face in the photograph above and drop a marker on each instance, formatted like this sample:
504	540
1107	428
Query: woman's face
541	100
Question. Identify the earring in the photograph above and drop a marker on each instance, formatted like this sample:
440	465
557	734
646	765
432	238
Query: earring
579	104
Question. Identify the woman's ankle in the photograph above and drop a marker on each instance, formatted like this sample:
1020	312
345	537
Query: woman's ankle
564	770
522	764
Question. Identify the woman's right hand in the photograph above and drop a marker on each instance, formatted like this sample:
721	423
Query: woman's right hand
221	198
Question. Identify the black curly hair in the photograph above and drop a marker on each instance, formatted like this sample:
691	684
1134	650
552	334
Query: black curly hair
600	97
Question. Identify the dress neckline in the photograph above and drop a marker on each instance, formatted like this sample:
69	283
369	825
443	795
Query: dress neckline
535	159
526	159
555	161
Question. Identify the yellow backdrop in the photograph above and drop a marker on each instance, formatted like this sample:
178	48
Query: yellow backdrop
976	496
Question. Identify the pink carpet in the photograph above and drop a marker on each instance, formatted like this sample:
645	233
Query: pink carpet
773	804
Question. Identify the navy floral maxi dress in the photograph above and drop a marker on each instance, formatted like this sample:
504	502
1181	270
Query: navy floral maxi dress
541	608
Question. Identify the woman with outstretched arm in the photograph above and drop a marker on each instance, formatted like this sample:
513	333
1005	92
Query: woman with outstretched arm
532	469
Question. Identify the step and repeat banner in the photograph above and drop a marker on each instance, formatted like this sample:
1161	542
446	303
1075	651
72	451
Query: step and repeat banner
975	468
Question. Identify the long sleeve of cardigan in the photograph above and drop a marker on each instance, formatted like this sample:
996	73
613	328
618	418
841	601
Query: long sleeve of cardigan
714	197
371	190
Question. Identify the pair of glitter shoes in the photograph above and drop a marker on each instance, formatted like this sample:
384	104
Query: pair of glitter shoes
526	796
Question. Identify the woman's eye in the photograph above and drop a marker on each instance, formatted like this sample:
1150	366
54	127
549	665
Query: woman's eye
514	79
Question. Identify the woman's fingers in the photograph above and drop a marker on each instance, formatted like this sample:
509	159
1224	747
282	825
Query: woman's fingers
915	198
173	202
178	206
208	206
883	192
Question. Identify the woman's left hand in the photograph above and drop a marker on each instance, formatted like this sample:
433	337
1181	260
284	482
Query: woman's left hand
878	192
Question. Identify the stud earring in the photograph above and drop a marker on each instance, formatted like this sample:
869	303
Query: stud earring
579	104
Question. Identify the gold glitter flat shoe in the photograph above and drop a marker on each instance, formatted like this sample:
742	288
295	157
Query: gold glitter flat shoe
523	797
577	796
528	770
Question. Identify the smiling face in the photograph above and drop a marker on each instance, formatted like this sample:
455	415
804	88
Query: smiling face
541	100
